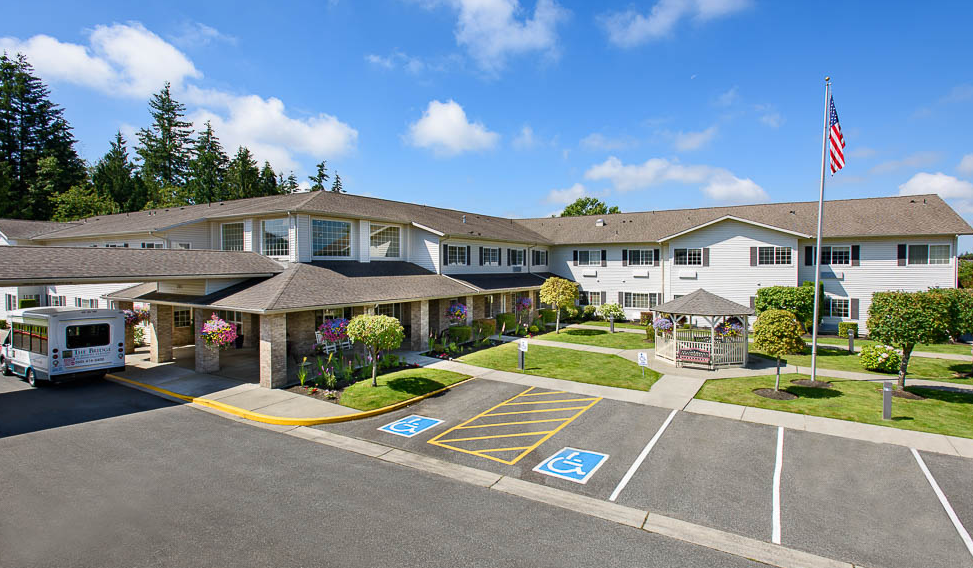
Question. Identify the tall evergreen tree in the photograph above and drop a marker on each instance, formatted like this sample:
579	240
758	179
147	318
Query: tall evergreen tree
336	186
243	176
318	180
32	128
268	180
114	176
287	184
165	148
207	169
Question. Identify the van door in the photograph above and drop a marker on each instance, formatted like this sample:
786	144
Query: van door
87	345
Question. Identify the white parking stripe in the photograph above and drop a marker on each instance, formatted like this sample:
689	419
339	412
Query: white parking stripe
778	466
942	499
638	461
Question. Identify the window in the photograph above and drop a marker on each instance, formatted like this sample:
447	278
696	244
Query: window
117	245
455	254
928	254
688	257
589	258
517	257
641	257
90	335
538	258
182	317
330	238
86	302
773	255
393	310
232	236
640	300
491	306
11	302
185	246
491	257
590	298
839	307
384	241
276	241
335	313
35	297
55	301
153	245
231	317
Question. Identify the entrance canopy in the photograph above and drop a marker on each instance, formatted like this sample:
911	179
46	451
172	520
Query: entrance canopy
722	344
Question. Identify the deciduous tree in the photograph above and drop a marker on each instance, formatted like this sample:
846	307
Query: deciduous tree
799	300
377	334
588	206
559	293
777	333
904	319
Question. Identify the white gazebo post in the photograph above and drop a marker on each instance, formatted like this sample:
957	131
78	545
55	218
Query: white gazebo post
712	341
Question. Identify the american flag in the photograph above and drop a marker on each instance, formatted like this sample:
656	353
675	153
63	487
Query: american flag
837	141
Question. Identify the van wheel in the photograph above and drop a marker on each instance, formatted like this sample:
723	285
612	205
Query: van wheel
5	369
31	379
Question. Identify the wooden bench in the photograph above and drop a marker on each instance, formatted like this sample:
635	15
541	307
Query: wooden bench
694	356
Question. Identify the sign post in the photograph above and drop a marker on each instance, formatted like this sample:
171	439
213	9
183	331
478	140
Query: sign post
643	362
521	354
887	401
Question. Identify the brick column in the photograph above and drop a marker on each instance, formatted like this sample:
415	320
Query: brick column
300	332
207	358
273	351
129	329
469	310
250	328
419	324
160	333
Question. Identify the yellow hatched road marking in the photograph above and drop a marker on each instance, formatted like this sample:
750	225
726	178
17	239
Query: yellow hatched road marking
492	436
540	393
551	401
503	449
533	411
509	423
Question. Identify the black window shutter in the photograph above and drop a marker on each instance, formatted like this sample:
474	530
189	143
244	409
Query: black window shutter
621	298
467	255
856	255
753	302
854	308
655	257
500	256
445	255
525	257
509	256
706	256
753	256
481	256
604	257
575	258
604	297
808	256
624	257
902	254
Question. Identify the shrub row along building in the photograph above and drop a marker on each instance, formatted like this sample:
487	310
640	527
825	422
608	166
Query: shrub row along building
278	266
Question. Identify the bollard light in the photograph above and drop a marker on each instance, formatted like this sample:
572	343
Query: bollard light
851	341
887	401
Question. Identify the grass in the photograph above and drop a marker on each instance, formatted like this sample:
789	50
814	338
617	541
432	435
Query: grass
396	387
599	338
954	348
919	367
618	324
567	364
942	412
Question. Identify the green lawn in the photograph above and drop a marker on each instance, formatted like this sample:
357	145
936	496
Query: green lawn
919	367
860	401
567	364
954	348
618	324
396	387
597	337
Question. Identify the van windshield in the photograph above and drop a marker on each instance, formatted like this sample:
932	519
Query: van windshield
91	335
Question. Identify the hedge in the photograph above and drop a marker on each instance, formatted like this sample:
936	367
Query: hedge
27	303
549	316
484	328
459	333
507	322
844	326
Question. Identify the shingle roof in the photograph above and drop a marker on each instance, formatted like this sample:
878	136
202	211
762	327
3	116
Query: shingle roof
21	265
872	217
23	229
703	303
500	282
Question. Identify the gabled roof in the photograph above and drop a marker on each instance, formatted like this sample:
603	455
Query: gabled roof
870	217
703	303
24	229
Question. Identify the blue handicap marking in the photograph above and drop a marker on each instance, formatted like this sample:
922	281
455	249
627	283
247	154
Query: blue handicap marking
572	464
410	425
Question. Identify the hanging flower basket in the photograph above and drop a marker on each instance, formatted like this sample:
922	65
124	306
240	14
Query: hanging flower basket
728	330
217	333
662	324
334	330
456	313
523	303
135	317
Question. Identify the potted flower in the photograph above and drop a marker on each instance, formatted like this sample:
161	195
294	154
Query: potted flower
218	333
662	324
135	317
456	313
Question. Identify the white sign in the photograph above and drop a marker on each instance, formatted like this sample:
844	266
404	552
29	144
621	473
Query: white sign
523	345
643	359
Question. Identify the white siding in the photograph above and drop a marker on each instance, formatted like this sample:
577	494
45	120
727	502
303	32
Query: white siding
423	249
215	284
363	233
303	244
197	235
474	265
89	291
292	238
191	287
250	236
130	240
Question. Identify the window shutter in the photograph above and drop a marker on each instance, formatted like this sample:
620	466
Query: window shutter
445	255
808	256
500	256
856	255
624	257
655	257
825	255
753	302
706	256
854	308
753	256
621	298
604	257
525	257
902	254
467	255
604	297
481	256
510	256
575	258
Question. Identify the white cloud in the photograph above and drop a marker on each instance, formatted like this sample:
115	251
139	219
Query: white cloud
445	130
959	93
718	184
412	64
916	160
379	60
599	142
862	152
198	34
525	139
946	186
566	196
631	28
966	165
728	98
688	141
769	115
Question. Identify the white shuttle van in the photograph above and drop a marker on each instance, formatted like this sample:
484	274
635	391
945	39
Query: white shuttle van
59	344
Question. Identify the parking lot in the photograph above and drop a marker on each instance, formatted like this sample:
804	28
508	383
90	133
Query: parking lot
861	502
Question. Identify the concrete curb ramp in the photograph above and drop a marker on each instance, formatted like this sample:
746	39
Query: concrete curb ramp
276	420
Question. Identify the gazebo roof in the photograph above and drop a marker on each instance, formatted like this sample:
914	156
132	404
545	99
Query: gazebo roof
703	303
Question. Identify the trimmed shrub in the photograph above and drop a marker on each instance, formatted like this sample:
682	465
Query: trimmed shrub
612	310
549	316
460	333
506	320
645	318
590	312
569	313
533	330
882	358
844	326
538	322
650	332
484	327
3	324
27	303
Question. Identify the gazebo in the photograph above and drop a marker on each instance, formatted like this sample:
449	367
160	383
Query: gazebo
722	344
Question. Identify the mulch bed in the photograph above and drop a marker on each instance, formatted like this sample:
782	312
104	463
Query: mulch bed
776	395
899	393
311	390
465	349
812	384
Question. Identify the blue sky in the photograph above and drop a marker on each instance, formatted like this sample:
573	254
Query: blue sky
515	108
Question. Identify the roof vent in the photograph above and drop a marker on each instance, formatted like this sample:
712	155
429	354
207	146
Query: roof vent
464	218
600	223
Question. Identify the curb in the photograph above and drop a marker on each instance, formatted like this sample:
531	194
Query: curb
279	420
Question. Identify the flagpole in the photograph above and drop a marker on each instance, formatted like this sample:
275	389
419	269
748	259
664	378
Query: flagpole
817	250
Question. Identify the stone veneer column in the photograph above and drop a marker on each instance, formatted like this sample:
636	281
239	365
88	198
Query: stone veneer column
469	310
418	331
207	358
273	351
160	333
249	328
129	329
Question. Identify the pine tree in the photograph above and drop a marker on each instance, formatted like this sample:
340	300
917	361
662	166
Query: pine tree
288	184
207	169
336	186
268	181
322	177
32	128
166	146
113	176
243	176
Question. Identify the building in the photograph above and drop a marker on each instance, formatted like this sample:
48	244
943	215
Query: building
278	266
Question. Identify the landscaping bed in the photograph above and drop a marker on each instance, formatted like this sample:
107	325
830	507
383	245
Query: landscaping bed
444	352
939	411
599	338
567	364
919	367
394	385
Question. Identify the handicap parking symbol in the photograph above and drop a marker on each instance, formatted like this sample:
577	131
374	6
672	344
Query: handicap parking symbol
572	464
410	425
